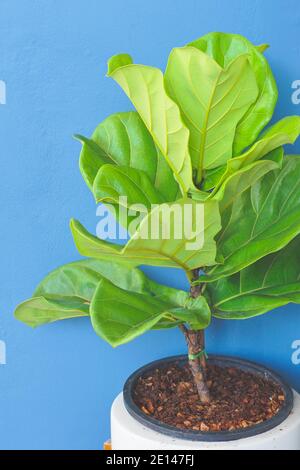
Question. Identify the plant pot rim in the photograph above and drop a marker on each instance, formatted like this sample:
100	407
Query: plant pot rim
209	436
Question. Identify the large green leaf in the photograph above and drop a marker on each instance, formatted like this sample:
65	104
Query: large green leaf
177	249
237	182
144	86
67	291
91	246
64	293
285	131
219	177
80	278
115	182
173	235
118	316
225	48
122	139
260	221
271	282
228	188
92	157
212	100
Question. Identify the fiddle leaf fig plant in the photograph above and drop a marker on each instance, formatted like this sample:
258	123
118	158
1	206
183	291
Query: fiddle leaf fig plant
197	144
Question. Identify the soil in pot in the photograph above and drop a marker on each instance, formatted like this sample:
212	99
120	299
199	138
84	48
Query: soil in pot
239	399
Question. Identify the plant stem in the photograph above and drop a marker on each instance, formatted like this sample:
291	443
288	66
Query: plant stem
195	343
199	177
195	340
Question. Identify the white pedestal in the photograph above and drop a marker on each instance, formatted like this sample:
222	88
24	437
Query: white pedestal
129	434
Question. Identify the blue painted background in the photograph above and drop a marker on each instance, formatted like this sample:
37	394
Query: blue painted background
59	381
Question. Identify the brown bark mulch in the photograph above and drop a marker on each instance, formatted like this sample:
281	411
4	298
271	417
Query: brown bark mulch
239	399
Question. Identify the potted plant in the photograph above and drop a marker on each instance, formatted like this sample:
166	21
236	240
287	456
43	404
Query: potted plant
194	157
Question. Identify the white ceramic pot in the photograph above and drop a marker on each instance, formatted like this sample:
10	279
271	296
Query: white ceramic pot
128	434
132	430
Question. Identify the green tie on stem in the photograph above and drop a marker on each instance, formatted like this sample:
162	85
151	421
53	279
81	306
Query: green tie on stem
201	353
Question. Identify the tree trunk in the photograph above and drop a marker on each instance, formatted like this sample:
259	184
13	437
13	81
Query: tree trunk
197	361
195	340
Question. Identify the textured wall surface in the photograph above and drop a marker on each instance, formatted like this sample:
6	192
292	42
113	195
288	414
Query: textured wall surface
58	382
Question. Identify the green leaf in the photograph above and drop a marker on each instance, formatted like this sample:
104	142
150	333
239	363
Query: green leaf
195	312
162	239
212	101
260	221
271	282
64	293
122	139
92	157
233	181
67	280
144	86
67	291
40	310
80	278
164	324
285	131
225	48
262	47
113	182
213	178
117	61
237	182
177	249
119	316
91	246
219	177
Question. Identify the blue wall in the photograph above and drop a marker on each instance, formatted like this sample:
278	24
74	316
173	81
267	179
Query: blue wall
59	381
